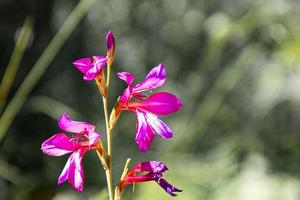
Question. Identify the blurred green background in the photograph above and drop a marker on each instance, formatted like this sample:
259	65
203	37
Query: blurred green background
234	64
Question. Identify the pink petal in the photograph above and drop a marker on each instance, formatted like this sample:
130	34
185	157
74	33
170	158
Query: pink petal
99	60
65	123
127	77
93	137
154	166
92	73
144	133
160	103
148	166
58	145
96	69
73	171
159	127
65	172
83	64
110	42
76	176
155	78
126	95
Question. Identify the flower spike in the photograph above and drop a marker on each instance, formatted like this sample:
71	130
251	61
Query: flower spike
84	139
82	136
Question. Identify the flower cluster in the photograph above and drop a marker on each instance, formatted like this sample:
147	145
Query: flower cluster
83	136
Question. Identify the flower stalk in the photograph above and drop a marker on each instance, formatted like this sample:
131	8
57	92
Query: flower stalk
108	171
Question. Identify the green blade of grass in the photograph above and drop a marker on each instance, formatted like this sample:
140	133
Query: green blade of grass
15	59
42	63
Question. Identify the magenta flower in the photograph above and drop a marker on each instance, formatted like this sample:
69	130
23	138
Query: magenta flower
146	109
84	139
92	67
150	171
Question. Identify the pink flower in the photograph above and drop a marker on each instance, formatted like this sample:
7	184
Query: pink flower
92	67
150	171
84	139
146	109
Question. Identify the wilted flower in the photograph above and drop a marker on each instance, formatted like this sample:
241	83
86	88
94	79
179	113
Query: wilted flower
146	109
150	171
84	139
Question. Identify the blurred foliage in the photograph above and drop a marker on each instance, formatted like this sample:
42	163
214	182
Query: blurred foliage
235	65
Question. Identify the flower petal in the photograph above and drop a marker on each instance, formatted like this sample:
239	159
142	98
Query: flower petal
96	69
126	95
76	176
83	64
170	189
92	73
99	60
148	166
73	171
65	172
58	145
155	78
127	77
144	134
65	123
160	103
160	127
93	138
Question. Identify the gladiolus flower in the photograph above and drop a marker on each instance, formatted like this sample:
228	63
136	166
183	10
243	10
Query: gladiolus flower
151	171
84	139
92	67
146	109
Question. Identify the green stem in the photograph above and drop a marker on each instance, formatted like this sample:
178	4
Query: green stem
42	63
108	171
